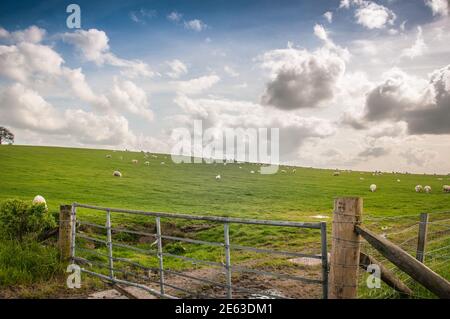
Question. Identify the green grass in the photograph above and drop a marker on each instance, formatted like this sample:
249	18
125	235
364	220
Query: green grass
66	175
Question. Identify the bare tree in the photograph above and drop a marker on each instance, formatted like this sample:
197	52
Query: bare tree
6	135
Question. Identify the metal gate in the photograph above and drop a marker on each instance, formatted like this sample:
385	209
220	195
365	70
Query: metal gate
159	252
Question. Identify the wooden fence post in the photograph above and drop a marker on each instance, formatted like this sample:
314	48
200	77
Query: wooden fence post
422	238
65	235
345	248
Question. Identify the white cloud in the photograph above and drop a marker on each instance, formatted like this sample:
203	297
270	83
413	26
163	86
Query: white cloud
125	95
177	69
141	16
195	25
230	71
370	14
438	7
303	79
328	16
32	34
418	48
197	85
93	44
174	16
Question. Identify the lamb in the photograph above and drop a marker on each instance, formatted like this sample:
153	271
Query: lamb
117	174
427	189
218	177
446	188
135	161
373	188
418	188
38	199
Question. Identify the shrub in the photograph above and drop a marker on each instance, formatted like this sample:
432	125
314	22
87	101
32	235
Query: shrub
27	262
20	220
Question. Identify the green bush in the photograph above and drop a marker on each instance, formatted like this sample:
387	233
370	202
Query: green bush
24	263
19	220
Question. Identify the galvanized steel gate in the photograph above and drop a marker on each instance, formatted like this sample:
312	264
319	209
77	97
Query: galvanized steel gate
227	265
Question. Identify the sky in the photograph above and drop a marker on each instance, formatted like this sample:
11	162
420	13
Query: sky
351	84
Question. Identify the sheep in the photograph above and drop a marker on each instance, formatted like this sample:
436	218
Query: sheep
446	188
252	172
440	179
147	163
361	178
398	181
162	163
240	167
283	171
218	177
117	174
294	170
108	156
427	189
418	188
373	188
38	199
135	161
336	174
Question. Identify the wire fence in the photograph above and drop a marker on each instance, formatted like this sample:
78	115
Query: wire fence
142	258
404	231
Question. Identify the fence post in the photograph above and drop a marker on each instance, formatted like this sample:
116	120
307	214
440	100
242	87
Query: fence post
345	248
160	255
226	231
422	238
324	253
110	244
65	232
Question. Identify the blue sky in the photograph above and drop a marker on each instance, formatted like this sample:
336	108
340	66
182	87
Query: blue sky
347	91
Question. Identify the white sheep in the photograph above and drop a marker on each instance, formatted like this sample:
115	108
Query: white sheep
162	163
147	163
446	188
336	174
373	188
218	177
427	189
361	178
117	174
240	167
38	199
283	171
252	172
108	156
398	181
294	170
135	161
418	188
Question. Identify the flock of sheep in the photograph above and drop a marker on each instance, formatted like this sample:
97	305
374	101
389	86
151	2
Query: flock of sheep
372	187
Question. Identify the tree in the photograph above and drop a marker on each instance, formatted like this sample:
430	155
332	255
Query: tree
6	135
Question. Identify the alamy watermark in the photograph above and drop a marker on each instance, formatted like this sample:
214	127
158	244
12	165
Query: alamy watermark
214	145
374	279
73	21
74	279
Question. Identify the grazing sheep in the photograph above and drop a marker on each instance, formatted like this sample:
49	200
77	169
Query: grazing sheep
418	188
440	179
252	172
373	188
38	199
294	170
218	177
336	174
147	163
135	161
398	181
117	174
427	189
283	171
240	166
361	178
108	156
162	163
446	188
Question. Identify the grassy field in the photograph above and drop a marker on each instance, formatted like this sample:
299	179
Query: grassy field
66	175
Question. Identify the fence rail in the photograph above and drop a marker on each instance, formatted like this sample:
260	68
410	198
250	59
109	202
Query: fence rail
228	268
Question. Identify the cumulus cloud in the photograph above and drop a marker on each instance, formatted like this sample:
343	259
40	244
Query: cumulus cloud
230	71
197	85
418	48
23	108
438	7
424	108
374	152
174	16
418	156
370	14
177	69
93	45
223	113
125	95
328	16
32	34
195	25
303	79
